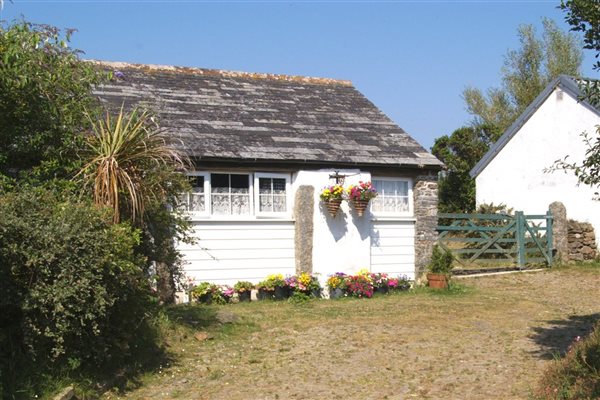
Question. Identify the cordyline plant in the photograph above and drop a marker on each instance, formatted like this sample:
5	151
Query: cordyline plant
124	151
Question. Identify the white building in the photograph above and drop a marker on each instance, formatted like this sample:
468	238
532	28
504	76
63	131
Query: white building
515	169
264	146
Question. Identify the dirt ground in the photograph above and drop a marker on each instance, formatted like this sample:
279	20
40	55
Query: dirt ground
488	339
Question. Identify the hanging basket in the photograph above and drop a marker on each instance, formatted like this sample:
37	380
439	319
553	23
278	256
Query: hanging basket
333	206
360	206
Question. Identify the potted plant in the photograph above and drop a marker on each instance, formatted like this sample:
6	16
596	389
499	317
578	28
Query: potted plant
304	283
359	286
380	282
203	292
332	196
360	195
439	268
337	285
244	290
400	283
273	287
226	293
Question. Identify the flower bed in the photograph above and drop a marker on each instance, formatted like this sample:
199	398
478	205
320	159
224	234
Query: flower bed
277	287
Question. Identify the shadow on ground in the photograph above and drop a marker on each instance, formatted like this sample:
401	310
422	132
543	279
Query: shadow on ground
557	335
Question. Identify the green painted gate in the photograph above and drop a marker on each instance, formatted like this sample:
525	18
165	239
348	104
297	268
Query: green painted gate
517	239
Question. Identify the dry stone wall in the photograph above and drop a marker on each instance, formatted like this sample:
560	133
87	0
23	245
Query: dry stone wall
582	241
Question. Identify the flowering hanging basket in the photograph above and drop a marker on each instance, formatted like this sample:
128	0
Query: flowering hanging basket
360	206
333	205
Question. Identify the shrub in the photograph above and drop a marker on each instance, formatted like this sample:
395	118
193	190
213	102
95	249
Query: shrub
441	260
577	375
74	292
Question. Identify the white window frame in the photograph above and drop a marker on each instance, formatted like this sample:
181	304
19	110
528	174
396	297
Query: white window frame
410	211
288	188
253	189
206	177
250	194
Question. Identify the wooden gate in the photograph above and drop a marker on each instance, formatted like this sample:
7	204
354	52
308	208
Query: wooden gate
517	239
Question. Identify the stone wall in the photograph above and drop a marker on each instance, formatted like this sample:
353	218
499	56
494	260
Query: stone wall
425	195
582	241
304	228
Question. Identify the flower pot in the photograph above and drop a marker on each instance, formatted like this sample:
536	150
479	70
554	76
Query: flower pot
280	293
333	206
360	206
336	293
264	294
437	281
382	290
206	298
244	296
316	293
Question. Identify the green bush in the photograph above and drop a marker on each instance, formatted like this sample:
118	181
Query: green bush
441	260
74	293
576	376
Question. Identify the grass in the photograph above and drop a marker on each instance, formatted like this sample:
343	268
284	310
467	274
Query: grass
487	337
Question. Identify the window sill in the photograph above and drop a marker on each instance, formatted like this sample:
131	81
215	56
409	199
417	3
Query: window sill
384	218
206	218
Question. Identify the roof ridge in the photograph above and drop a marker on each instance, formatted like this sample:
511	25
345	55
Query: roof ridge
224	73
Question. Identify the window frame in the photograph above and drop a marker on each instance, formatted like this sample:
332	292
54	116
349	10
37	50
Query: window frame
253	190
288	187
206	188
410	212
250	195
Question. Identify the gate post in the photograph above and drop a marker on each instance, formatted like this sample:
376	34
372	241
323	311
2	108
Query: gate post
549	238
520	233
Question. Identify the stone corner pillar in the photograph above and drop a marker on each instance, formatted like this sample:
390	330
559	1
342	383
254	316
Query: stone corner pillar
560	232
304	203
425	197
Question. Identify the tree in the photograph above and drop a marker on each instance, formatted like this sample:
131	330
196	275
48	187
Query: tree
44	90
525	73
131	168
460	152
584	16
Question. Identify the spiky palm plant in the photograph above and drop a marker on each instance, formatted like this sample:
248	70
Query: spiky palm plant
128	155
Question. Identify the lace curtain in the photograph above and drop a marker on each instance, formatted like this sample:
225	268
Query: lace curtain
392	198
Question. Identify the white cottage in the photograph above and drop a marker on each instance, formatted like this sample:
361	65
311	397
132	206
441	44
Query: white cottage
513	171
264	146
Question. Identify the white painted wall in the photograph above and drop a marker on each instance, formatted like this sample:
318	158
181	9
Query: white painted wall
516	175
228	250
393	247
346	243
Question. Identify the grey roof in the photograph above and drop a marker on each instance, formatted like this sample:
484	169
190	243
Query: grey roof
566	83
221	115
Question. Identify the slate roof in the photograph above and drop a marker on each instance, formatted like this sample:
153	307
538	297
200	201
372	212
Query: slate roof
221	115
566	83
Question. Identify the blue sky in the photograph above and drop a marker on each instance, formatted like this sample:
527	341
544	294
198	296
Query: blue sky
411	58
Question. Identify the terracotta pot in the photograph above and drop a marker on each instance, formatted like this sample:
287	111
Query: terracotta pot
437	281
360	206
333	206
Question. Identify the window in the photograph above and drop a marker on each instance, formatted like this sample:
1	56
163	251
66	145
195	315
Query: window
195	200
394	196
224	194
230	194
271	193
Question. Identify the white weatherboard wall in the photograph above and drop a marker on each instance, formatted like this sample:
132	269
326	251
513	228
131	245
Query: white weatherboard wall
230	251
393	247
516	175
